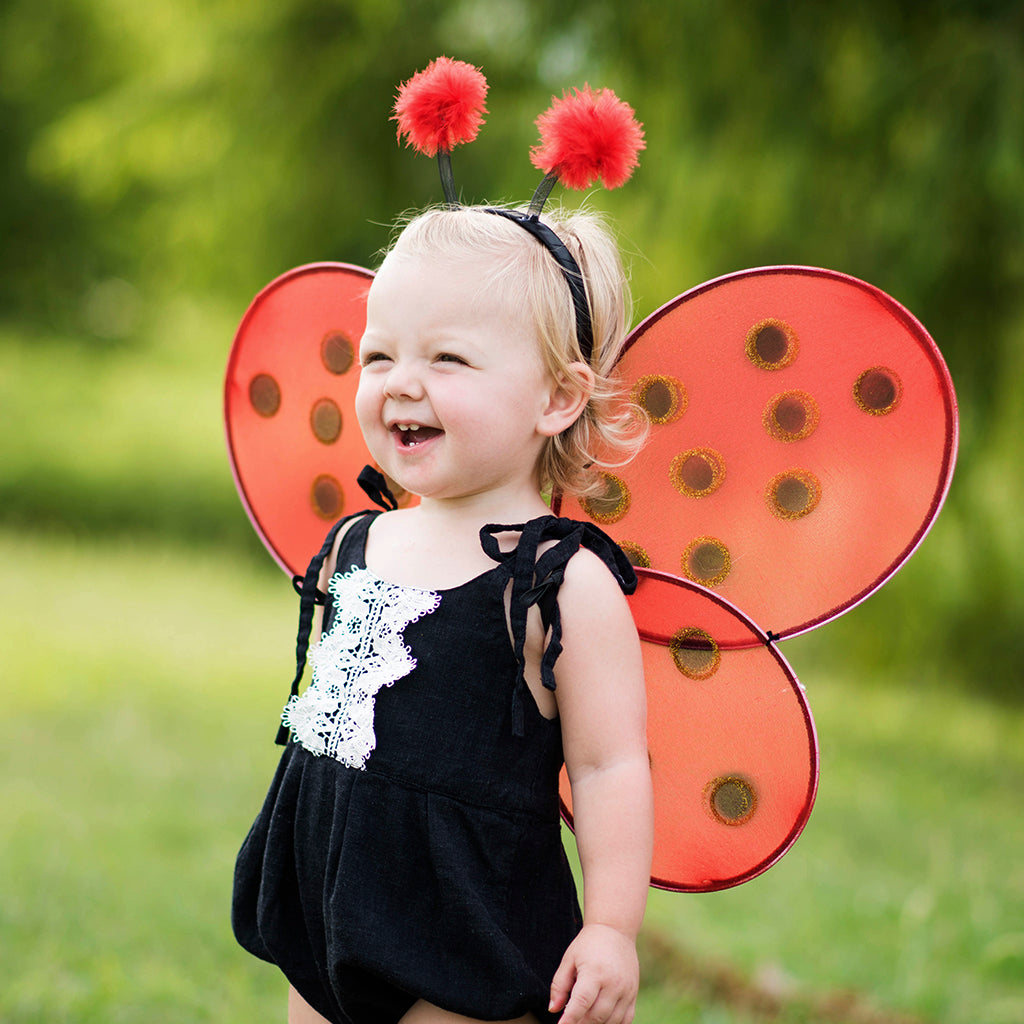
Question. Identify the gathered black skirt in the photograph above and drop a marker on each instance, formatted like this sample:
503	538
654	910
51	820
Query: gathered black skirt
370	894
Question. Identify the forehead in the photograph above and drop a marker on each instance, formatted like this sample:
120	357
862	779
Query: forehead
427	302
494	247
456	286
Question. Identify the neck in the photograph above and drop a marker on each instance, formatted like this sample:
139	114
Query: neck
470	512
437	543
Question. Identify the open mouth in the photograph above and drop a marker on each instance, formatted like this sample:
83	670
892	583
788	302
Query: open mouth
409	435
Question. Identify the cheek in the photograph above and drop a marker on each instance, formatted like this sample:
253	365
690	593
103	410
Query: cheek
367	403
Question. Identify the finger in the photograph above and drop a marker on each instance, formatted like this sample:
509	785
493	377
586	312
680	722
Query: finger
605	1008
580	1003
561	984
623	1012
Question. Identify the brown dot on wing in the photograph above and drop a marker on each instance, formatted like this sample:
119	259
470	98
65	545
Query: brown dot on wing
695	653
706	560
731	799
325	420
878	391
791	416
264	394
772	344
793	494
337	352
636	554
661	397
697	472
327	497
609	504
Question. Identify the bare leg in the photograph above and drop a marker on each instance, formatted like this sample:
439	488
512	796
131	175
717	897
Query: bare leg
427	1013
300	1012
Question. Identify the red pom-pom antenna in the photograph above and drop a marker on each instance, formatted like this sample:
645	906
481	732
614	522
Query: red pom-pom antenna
441	106
586	136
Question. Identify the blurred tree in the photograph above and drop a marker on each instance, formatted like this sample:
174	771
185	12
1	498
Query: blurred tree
201	148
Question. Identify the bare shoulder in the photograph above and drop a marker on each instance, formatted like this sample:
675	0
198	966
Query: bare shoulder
331	561
589	588
596	619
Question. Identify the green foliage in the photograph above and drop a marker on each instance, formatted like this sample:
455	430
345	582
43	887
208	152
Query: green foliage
207	147
172	156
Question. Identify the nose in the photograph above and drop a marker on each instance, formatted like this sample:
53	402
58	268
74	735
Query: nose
403	381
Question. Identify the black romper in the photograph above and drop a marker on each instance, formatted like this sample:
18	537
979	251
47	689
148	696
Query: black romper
423	859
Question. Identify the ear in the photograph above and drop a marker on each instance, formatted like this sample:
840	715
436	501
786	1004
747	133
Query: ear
569	396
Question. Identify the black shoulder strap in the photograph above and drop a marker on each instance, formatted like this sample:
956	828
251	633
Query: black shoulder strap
310	597
536	580
374	483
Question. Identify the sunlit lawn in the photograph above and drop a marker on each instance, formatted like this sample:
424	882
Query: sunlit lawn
140	688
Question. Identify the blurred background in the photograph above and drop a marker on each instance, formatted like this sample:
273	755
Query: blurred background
161	162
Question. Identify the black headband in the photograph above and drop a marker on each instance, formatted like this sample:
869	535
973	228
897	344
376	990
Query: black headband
570	271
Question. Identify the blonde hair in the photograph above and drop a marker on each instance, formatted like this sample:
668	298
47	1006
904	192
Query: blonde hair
610	430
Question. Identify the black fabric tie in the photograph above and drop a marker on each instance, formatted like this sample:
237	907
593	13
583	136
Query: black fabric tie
536	581
310	596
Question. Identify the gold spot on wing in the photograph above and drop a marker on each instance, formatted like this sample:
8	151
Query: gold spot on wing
731	799
636	554
611	503
772	344
706	560
878	391
793	494
661	397
697	472
695	653
791	416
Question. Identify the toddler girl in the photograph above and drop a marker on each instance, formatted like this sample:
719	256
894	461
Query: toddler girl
407	864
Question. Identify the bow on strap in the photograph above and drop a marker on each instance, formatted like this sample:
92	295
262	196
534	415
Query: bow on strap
536	579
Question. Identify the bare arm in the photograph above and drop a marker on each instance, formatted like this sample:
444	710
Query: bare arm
602	705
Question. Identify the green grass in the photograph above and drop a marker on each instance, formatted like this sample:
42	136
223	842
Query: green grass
140	688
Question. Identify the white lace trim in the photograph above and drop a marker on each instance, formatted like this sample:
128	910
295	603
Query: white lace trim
363	651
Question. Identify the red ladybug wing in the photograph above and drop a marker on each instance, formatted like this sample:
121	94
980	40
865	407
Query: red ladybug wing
289	407
803	436
734	758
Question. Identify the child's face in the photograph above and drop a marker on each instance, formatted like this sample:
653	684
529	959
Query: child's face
453	392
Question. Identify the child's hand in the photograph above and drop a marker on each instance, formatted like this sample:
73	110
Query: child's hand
598	978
